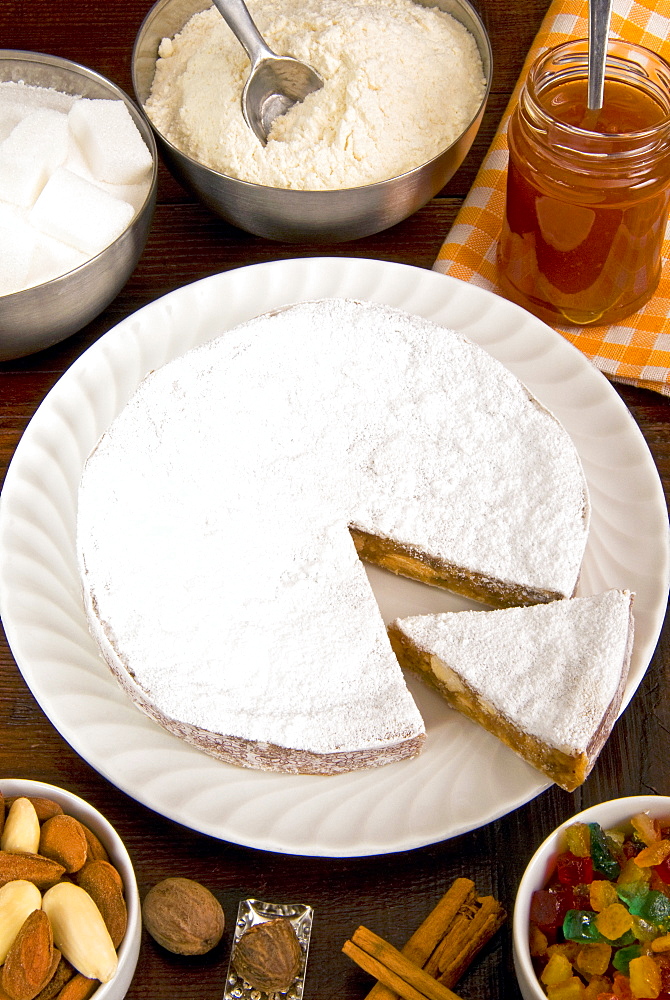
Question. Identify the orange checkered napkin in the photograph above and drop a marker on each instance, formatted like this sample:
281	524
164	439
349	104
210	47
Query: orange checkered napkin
636	350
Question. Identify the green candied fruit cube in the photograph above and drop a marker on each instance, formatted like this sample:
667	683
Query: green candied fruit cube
622	957
633	894
656	909
580	925
601	855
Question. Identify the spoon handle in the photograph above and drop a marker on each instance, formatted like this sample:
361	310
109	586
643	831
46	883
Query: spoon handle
600	12
239	20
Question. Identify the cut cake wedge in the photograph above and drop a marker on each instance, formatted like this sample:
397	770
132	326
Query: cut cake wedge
547	680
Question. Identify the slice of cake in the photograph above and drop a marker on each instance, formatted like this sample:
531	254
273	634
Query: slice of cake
222	514
547	680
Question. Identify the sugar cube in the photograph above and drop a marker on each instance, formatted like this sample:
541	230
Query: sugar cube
16	251
21	178
51	259
110	141
42	135
78	213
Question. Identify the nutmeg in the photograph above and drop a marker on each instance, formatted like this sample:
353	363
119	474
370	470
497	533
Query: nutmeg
183	916
268	955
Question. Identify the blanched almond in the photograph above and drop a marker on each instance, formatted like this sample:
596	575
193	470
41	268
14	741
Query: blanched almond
21	832
18	899
80	932
45	808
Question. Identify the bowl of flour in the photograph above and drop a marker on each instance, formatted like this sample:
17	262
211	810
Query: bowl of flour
405	87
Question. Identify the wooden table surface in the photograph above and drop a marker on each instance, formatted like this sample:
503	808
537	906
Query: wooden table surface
390	894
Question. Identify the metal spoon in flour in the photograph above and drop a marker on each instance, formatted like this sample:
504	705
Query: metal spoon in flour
275	83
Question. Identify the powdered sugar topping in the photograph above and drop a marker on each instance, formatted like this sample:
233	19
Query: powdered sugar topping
213	515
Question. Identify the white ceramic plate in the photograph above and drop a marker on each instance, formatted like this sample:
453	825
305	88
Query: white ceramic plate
464	778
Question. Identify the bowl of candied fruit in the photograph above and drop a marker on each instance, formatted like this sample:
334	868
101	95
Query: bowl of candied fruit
592	913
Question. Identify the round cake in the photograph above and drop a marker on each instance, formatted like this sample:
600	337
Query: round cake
223	516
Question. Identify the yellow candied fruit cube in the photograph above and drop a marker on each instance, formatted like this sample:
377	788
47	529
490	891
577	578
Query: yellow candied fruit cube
596	986
537	941
646	828
645	977
557	970
653	855
602	894
661	943
571	989
633	873
614	921
578	840
593	959
569	949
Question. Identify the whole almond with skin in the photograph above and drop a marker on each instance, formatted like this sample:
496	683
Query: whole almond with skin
268	955
21	832
64	972
33	867
30	959
183	916
80	932
104	885
95	849
62	839
78	988
18	899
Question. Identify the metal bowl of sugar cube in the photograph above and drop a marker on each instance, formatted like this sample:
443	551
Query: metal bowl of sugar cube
405	88
78	174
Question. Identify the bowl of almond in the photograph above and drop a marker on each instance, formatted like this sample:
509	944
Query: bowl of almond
70	923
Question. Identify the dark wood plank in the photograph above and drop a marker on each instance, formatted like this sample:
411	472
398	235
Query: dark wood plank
392	893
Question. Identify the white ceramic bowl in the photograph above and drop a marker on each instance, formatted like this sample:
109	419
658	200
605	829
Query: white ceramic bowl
608	814
129	948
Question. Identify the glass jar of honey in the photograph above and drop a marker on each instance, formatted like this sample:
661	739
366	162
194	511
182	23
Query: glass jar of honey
587	191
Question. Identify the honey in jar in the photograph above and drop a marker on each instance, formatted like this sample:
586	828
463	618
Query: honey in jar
587	190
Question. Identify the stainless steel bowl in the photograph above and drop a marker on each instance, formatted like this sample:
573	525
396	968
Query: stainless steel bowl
283	214
45	314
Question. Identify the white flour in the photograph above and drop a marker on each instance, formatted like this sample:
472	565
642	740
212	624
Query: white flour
401	83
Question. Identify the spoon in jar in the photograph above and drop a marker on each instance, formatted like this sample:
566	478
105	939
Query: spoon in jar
275	83
600	13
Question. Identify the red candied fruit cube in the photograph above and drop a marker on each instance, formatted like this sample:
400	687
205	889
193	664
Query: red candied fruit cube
663	870
662	960
572	870
549	906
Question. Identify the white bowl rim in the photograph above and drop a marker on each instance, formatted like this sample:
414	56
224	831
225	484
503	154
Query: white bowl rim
608	814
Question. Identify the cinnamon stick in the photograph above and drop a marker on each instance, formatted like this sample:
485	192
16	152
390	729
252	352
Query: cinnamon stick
425	939
391	967
468	934
449	938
